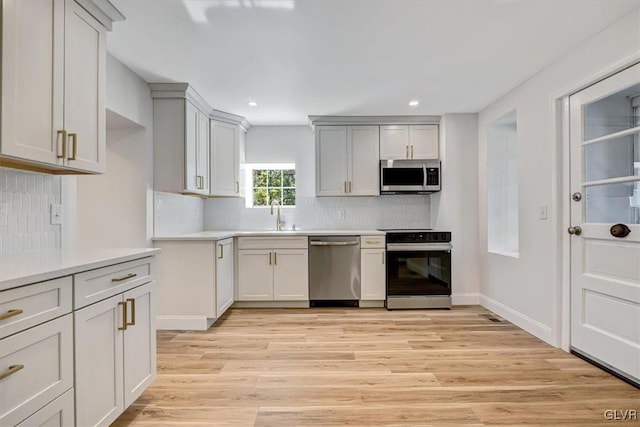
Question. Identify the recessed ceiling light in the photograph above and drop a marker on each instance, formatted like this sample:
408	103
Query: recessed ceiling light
414	103
253	104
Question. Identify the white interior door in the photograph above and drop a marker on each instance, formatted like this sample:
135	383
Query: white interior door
605	222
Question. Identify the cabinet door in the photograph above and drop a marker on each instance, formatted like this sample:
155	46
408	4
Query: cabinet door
255	275
202	153
84	90
225	167
192	182
291	275
423	141
99	362
139	341
363	155
32	80
224	276
394	142
372	271
331	161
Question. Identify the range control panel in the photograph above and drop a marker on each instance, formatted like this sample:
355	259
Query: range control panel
417	236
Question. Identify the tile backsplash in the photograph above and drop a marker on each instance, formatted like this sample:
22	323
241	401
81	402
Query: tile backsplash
28	198
337	213
177	214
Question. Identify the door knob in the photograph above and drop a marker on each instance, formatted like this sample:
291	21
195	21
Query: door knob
576	196
577	230
619	230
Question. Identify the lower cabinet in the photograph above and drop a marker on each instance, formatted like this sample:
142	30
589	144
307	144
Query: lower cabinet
224	275
273	275
114	354
58	413
36	366
372	273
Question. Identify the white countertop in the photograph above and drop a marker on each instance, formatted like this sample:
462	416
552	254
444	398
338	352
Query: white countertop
34	267
219	235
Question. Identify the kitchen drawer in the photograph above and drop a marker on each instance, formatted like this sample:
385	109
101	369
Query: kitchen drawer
291	242
96	285
372	242
43	356
59	413
34	304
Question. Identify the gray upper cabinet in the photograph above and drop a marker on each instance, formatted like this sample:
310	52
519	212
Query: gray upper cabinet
409	142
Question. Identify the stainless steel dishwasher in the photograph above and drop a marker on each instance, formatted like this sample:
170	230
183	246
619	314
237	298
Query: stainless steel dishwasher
334	271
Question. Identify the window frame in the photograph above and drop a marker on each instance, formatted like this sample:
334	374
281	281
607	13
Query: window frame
250	185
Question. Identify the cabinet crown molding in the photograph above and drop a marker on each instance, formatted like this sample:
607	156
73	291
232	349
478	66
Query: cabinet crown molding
372	120
186	91
105	12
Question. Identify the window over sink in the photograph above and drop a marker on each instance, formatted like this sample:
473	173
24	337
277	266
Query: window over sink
268	183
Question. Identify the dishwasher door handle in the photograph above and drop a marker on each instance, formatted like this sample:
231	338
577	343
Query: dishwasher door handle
315	243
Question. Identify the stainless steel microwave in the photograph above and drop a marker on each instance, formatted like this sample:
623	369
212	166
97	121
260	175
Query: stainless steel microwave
409	176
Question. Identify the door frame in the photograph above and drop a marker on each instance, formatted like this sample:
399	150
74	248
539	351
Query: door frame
561	327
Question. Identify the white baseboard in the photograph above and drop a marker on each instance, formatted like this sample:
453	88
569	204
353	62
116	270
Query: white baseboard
523	321
371	303
183	323
465	299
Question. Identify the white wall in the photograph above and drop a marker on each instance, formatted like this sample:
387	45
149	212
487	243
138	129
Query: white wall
455	208
295	144
116	209
527	290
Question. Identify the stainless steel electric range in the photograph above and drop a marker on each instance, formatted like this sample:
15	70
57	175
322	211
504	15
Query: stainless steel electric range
418	269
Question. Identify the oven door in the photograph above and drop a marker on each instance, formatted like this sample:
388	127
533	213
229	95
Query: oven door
418	272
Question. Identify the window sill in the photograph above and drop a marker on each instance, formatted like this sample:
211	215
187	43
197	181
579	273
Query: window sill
510	254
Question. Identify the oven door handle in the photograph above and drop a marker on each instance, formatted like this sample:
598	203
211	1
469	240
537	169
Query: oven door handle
424	175
411	247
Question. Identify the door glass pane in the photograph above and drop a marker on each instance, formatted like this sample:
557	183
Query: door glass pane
611	114
613	158
613	203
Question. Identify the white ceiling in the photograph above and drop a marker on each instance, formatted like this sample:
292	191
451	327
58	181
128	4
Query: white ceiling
351	57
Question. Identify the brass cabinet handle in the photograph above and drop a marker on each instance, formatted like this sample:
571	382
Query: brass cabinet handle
124	316
221	251
349	186
133	312
345	186
407	152
275	258
74	150
412	151
237	187
11	313
120	279
269	258
64	144
382	258
12	370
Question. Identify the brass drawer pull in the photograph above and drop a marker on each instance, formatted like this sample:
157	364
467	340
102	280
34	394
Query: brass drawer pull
124	316
120	279
64	144
74	150
11	313
133	312
221	251
373	242
12	370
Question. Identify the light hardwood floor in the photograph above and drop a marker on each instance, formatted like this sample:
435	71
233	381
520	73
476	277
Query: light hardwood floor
318	367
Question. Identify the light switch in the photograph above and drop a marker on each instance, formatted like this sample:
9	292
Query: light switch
542	212
56	214
4	213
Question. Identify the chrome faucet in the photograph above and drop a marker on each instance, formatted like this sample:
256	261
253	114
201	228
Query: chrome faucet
279	223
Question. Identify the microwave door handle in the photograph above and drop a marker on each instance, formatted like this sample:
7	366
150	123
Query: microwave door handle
424	175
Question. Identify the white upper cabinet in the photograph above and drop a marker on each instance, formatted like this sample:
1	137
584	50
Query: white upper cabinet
225	159
347	159
197	150
53	87
409	142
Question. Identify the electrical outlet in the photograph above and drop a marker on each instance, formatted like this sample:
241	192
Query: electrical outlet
542	212
56	214
4	213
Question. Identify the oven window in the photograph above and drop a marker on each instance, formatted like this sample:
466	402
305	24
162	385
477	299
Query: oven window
418	273
402	176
